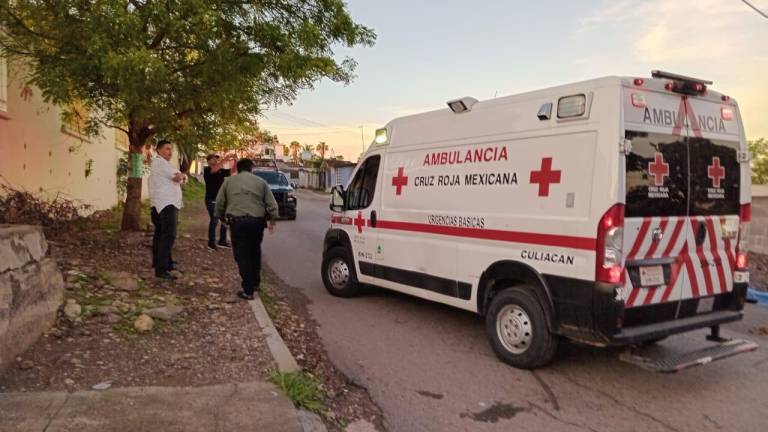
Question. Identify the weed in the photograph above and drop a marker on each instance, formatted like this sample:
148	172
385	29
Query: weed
301	387
270	304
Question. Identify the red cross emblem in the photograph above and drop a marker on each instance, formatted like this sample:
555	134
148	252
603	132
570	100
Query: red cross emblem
399	181
716	172
658	169
545	176
359	222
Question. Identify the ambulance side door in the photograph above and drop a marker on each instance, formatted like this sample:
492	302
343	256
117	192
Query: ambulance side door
361	203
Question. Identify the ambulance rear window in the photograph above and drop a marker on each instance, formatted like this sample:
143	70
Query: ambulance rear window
657	175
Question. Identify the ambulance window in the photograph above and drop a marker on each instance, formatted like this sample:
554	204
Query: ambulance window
363	185
657	175
715	177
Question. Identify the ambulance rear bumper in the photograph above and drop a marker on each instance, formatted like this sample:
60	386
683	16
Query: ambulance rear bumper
641	333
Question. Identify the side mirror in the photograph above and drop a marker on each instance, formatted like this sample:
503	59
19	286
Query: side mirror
294	185
337	198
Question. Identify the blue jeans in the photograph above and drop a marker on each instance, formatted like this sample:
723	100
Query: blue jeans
211	206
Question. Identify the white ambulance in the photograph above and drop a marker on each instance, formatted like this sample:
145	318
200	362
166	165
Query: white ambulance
610	212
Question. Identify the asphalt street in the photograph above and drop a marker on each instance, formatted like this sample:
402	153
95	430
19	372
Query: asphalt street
430	367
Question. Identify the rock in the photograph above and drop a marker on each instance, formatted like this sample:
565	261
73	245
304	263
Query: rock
26	365
164	313
102	385
144	323
69	382
72	310
123	281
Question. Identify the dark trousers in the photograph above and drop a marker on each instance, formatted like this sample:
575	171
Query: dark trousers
247	234
211	206
165	235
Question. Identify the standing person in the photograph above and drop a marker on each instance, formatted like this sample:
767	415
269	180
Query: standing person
165	198
246	204
214	175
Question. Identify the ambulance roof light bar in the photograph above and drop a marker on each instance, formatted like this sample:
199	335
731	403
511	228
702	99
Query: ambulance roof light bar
464	104
676	77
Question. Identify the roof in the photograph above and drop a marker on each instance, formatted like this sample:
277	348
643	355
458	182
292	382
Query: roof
335	163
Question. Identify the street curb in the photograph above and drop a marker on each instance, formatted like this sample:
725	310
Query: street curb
281	354
286	363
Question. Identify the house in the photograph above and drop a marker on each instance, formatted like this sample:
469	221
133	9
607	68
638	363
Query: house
48	157
335	172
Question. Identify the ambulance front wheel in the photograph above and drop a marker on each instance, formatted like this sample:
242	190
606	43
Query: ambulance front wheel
516	325
339	273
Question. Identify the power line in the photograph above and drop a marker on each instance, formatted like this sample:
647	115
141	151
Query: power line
755	9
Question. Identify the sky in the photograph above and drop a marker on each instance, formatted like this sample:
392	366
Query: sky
430	51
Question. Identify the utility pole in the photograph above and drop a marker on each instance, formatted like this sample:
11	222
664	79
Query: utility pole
362	138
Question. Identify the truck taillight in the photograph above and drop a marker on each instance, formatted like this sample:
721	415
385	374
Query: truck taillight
610	242
745	215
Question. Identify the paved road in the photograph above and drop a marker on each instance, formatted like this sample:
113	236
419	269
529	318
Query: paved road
430	367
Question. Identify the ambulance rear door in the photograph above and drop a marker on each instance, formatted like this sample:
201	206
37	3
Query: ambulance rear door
656	206
713	134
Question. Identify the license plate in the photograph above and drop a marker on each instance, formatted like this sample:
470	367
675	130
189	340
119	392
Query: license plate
705	304
652	275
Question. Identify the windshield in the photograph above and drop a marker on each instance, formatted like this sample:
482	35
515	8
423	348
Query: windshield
273	178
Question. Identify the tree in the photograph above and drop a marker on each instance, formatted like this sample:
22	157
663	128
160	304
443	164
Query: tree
189	71
322	147
294	148
759	163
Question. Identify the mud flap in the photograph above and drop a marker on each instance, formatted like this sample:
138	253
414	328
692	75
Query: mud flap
671	362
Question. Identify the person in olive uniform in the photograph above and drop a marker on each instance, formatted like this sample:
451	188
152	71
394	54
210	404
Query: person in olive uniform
247	205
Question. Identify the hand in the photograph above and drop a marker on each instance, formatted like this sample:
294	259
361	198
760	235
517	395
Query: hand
178	177
272	226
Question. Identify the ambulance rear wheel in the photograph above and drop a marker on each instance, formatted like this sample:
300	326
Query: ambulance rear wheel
339	273
516	325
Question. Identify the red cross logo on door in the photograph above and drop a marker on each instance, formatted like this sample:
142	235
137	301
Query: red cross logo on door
399	181
545	176
716	172
359	222
658	169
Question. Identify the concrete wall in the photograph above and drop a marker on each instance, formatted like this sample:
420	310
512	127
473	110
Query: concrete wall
31	289
758	227
45	158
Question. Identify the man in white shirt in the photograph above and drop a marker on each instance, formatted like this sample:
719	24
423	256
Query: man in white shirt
165	198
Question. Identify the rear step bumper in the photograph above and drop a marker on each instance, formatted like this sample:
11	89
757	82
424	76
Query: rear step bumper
675	362
631	335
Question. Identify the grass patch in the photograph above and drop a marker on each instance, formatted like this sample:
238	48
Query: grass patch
111	220
270	304
301	387
194	190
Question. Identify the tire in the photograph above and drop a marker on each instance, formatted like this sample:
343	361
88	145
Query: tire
338	272
517	326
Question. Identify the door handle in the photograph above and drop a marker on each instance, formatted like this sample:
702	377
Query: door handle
373	219
701	234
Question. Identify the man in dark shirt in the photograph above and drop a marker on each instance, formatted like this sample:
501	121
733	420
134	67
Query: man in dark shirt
214	175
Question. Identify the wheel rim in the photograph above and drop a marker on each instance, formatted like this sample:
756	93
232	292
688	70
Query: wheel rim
513	326
338	273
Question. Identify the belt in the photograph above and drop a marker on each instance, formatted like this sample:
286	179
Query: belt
243	218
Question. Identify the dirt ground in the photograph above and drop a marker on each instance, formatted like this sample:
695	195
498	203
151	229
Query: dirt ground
213	339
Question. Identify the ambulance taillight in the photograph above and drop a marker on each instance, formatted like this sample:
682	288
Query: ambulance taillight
610	242
745	214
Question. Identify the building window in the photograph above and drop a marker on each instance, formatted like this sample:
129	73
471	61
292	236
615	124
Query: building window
75	122
3	84
121	140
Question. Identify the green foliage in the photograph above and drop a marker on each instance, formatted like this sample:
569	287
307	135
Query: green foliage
193	191
301	387
197	72
759	163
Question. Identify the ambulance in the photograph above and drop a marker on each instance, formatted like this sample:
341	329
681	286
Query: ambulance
611	212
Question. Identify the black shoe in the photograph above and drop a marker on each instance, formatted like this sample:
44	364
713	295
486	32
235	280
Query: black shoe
245	296
165	275
225	245
212	245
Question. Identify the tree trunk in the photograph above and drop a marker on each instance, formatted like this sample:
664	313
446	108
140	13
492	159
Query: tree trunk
137	136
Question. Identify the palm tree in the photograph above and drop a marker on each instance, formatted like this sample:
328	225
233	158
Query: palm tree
294	149
322	147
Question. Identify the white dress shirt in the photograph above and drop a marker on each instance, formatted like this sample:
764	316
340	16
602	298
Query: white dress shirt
163	191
